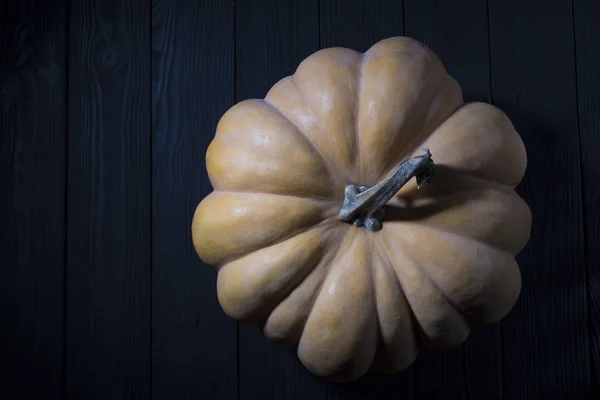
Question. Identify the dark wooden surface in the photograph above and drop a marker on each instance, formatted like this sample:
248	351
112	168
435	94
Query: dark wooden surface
106	111
194	345
534	81
108	307
587	34
33	134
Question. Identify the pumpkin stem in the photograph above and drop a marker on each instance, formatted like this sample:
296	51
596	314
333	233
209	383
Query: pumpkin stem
363	204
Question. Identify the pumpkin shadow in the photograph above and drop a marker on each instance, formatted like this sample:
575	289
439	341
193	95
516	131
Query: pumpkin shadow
450	187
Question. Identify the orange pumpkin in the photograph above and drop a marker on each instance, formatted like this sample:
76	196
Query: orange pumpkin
320	235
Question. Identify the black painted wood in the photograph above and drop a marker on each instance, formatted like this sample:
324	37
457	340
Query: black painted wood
272	38
545	338
33	95
194	344
457	31
587	34
358	25
109	214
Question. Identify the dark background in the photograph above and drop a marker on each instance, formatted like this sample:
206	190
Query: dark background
106	110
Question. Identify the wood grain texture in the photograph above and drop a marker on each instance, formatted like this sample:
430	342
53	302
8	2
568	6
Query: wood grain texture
194	348
457	32
33	95
272	38
587	34
109	218
358	24
545	338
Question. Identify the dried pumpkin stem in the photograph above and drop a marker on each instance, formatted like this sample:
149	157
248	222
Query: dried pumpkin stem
363	204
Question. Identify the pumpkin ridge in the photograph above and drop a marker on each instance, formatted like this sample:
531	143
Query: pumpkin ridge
482	189
479	177
324	199
462	306
461	236
335	257
410	149
415	324
327	231
352	355
403	62
452	303
496	184
489	129
322	264
418	141
258	148
421	336
309	259
335	167
474	175
326	163
435	282
279	240
321	217
383	249
367	55
356	137
385	264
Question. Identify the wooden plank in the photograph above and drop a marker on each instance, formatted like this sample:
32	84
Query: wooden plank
109	194
457	32
194	342
358	25
33	95
272	38
587	34
545	338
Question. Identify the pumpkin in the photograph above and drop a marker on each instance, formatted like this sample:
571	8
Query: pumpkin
323	239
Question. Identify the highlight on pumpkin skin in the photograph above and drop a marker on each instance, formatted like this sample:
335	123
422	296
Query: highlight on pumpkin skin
250	287
229	225
348	104
328	81
286	322
257	149
405	94
287	99
439	323
498	152
340	337
398	347
481	281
